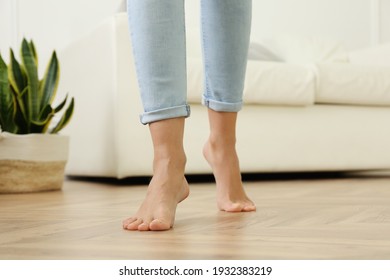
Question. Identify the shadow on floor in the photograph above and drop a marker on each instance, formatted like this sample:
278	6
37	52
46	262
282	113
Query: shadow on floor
247	177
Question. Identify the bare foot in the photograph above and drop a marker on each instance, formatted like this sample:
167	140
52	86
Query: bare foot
167	188
223	159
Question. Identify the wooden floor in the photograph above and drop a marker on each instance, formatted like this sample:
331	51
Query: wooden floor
336	218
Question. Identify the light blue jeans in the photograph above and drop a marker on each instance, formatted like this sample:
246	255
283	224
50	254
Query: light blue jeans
159	47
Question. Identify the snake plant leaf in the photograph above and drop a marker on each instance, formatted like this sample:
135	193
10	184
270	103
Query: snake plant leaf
50	80
7	101
41	125
25	99
20	100
46	115
65	118
16	76
4	93
62	104
46	112
34	52
30	67
21	116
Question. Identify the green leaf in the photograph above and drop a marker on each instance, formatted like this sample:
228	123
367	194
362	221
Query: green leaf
46	116
59	107
16	76
34	52
25	100
41	125
49	84
7	102
30	67
65	118
21	117
45	112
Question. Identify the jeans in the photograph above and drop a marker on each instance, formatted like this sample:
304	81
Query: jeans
159	47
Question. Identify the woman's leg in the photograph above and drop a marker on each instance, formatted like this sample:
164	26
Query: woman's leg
226	31
158	40
168	186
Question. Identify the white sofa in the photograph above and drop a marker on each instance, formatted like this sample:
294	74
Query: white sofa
300	130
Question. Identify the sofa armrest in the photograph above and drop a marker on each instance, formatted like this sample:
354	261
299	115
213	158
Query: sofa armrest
98	70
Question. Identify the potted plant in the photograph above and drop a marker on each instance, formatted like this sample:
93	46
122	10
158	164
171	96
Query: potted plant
32	154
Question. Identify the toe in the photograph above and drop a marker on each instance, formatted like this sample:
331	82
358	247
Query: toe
159	224
126	222
249	208
233	207
134	225
143	227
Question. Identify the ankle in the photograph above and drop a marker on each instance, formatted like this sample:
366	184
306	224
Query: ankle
170	162
221	144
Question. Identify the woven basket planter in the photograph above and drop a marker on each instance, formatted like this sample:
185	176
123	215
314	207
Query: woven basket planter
32	162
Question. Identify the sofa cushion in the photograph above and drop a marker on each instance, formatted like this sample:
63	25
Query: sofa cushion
267	83
340	83
309	49
276	83
258	51
378	55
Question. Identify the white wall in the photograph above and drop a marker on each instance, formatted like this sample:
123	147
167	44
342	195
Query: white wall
55	23
344	20
385	20
350	21
8	26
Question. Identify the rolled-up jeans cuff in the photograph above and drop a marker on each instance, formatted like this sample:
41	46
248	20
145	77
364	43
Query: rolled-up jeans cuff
221	106
166	113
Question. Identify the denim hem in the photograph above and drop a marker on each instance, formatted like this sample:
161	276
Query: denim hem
221	106
167	113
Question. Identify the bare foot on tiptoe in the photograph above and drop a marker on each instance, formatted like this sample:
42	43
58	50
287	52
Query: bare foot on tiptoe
223	159
167	188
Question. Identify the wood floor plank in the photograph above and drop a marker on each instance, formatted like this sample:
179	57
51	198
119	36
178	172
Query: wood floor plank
342	218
